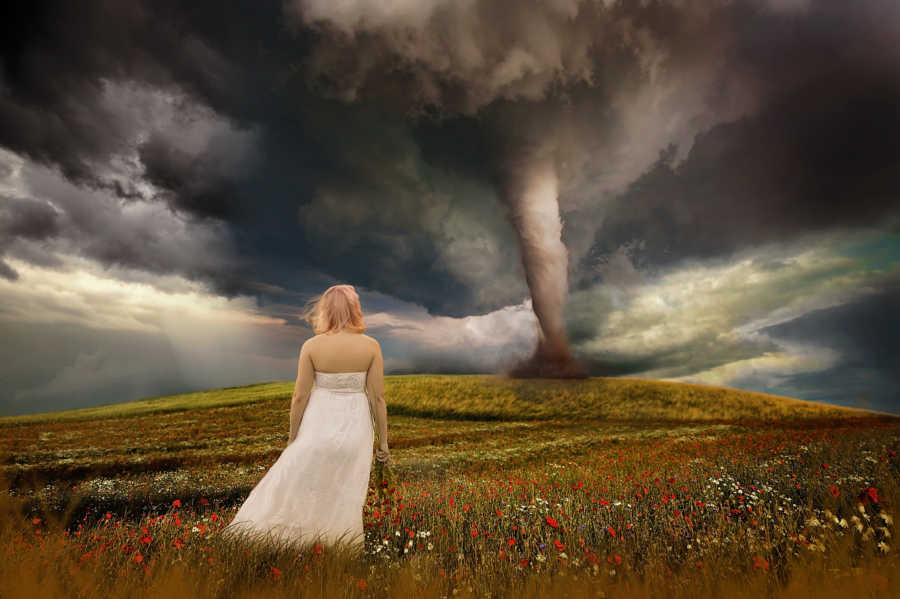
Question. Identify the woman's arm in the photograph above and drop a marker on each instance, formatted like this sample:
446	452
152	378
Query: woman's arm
375	391
302	389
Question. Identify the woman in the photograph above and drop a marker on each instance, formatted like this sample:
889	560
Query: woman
317	487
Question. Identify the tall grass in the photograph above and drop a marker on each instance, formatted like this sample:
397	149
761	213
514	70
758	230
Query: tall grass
109	559
782	515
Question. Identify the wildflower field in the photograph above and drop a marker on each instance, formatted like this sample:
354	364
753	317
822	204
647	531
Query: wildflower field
606	487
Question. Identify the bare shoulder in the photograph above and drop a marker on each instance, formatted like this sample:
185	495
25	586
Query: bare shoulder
371	340
311	342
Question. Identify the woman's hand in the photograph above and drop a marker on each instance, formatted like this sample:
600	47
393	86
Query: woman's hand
383	454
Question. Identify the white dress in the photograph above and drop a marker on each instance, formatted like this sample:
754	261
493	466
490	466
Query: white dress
317	487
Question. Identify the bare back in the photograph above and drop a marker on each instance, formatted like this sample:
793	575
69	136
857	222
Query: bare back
344	351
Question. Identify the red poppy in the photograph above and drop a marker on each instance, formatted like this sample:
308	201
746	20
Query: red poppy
275	572
611	530
869	494
552	522
834	490
559	545
760	563
177	503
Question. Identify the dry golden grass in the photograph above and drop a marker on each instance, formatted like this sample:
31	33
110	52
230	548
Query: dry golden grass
44	558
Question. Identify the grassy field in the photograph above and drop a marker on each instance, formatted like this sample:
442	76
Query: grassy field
603	487
487	397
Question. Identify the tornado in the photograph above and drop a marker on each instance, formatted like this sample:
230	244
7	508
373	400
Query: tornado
562	88
530	193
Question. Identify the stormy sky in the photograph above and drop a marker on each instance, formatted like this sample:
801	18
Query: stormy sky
177	178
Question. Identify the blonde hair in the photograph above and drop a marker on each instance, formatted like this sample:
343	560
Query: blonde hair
335	309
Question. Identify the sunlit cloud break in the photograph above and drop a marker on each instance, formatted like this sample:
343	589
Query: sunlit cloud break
705	321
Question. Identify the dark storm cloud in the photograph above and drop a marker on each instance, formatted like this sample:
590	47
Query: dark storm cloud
24	219
55	55
815	160
57	108
244	73
198	185
143	236
427	182
823	153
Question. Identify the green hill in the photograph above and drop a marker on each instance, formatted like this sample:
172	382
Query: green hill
489	397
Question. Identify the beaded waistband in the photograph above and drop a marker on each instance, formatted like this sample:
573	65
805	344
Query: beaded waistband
342	382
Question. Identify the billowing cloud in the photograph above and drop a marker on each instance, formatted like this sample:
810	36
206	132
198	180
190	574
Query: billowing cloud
479	343
43	215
